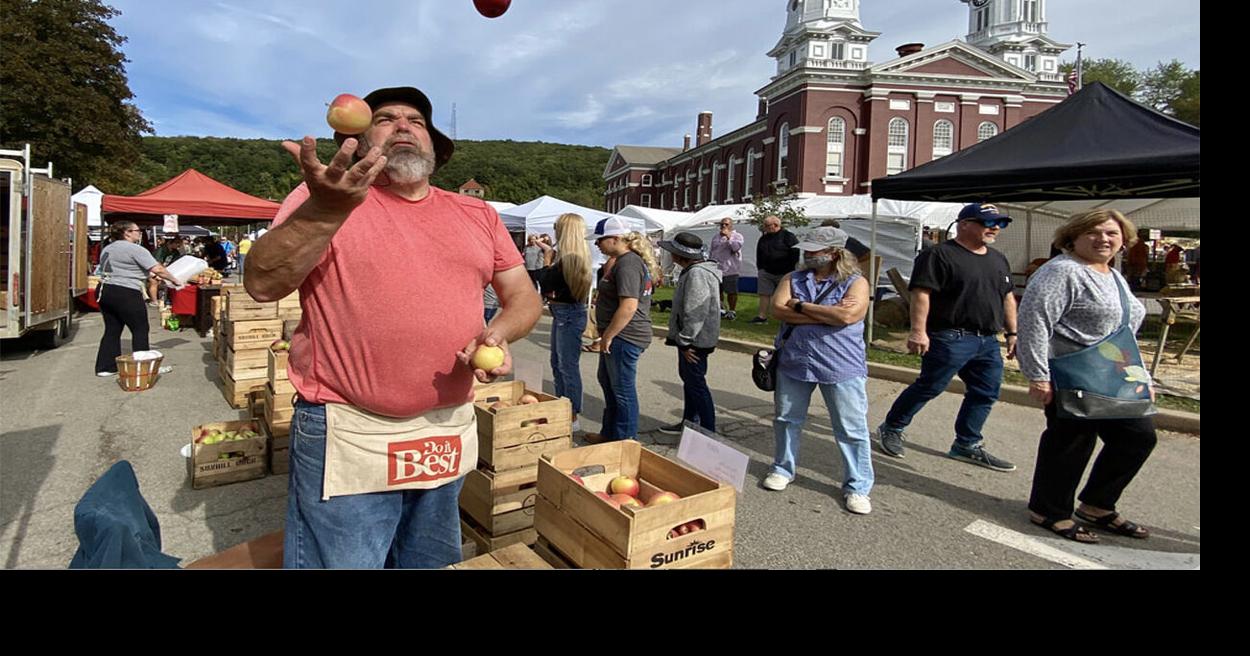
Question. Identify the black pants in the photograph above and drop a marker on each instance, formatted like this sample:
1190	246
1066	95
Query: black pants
1064	451
121	307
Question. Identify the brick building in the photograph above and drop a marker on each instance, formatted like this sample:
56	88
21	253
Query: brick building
473	188
831	120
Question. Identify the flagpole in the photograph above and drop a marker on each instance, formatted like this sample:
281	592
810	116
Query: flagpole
1080	67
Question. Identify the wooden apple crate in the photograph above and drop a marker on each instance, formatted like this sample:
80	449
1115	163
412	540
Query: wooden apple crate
279	406
236	391
251	334
591	534
514	437
276	365
216	303
279	442
240	307
551	555
501	502
245	461
247	364
486	543
517	556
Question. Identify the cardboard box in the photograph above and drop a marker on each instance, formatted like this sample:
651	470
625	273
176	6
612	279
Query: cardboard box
223	463
591	534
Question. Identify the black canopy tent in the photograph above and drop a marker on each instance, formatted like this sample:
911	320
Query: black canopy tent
1096	144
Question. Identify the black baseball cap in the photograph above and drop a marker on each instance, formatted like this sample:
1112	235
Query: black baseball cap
443	147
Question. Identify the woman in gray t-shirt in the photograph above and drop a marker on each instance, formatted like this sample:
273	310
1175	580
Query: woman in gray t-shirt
124	270
1071	303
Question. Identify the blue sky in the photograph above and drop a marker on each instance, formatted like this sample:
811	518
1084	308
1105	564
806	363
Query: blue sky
596	72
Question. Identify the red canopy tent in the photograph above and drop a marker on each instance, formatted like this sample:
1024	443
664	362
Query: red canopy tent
195	198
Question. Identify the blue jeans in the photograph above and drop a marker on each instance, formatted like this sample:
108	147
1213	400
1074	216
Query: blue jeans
407	529
698	406
618	372
979	363
847	402
568	323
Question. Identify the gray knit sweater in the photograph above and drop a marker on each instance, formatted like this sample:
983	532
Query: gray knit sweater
1067	307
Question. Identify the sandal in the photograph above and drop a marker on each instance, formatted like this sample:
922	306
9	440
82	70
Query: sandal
1075	532
1107	521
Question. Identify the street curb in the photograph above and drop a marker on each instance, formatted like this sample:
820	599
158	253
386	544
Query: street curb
1170	420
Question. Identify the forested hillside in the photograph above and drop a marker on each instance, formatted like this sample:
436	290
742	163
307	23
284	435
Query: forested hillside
512	171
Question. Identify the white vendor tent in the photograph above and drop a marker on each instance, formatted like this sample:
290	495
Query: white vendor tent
500	206
91	198
657	220
539	216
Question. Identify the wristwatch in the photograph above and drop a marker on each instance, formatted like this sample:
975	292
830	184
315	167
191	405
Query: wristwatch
1010	334
798	307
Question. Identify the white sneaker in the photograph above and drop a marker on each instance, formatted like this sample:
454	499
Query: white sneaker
858	504
577	425
775	482
164	370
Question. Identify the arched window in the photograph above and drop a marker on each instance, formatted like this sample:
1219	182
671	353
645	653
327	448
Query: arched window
748	185
943	138
698	193
686	198
896	156
715	179
783	151
986	130
836	142
729	180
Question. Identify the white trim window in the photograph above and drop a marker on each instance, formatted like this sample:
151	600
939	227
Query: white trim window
646	179
986	130
715	180
698	193
1030	11
835	147
729	179
748	185
837	50
896	151
943	138
783	151
674	197
686	198
646	200
1030	62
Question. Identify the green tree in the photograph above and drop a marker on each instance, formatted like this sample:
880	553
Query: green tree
780	205
1115	73
1187	107
1171	88
63	89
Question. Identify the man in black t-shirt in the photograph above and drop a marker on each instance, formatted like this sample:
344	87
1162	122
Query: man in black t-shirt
775	256
961	298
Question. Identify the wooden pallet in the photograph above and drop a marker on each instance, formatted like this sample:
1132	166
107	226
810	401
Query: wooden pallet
551	555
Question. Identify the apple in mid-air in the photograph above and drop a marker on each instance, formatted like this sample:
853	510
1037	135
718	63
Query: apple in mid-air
492	8
349	114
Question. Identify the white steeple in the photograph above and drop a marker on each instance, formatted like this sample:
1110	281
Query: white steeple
822	35
1015	31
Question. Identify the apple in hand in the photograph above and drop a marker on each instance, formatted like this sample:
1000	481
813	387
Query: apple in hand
349	114
492	8
623	485
487	358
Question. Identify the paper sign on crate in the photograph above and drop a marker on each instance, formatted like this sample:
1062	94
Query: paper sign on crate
528	372
716	460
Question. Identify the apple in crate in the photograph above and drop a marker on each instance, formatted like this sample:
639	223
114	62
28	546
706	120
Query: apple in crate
661	498
626	500
608	498
578	479
349	114
623	485
527	399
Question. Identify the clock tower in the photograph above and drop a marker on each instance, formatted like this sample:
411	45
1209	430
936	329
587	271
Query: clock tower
1015	31
822	35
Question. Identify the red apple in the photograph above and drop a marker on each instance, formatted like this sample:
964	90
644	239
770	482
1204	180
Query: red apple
491	8
623	485
349	114
626	500
606	497
527	399
578	479
661	498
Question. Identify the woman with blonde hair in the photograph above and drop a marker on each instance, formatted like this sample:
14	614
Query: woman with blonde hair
1077	348
565	281
623	317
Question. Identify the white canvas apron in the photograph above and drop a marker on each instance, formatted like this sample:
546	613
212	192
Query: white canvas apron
371	453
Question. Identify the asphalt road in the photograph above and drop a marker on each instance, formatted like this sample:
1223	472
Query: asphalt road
63	427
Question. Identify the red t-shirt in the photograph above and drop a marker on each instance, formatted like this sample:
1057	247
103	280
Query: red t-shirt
397	294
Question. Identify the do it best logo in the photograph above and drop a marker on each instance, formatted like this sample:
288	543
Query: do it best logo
423	460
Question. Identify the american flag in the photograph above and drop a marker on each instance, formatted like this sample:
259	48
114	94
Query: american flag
1072	82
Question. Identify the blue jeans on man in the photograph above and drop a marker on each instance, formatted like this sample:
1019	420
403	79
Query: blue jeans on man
618	373
409	529
978	362
567	325
698	406
847	403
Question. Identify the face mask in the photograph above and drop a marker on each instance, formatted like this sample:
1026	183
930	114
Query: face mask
818	261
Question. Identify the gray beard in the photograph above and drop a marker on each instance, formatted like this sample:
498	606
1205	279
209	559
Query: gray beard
408	167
